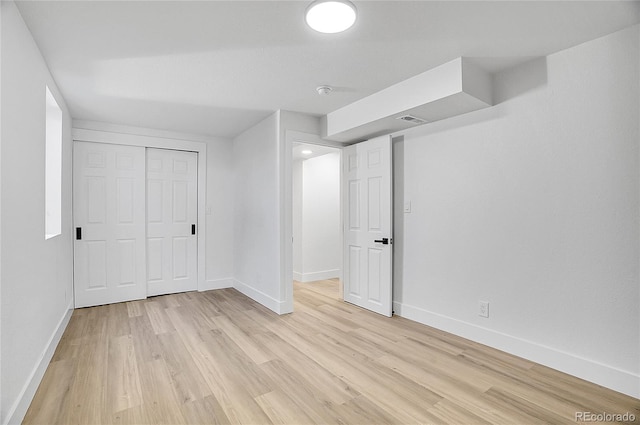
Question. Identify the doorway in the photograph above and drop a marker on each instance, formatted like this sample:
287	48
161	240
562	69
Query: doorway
316	218
366	178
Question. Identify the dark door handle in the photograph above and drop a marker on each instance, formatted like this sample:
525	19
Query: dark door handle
78	233
193	229
383	241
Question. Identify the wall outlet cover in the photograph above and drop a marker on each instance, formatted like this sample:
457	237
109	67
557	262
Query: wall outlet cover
483	308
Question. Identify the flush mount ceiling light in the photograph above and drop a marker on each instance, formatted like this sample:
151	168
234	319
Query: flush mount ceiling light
324	90
306	152
331	16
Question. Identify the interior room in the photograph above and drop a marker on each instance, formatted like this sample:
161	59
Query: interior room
317	231
464	236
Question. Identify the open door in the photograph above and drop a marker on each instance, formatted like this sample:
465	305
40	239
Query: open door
368	225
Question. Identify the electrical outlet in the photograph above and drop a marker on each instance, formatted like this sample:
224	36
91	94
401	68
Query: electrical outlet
483	308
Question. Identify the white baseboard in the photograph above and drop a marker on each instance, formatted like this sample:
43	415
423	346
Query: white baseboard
259	296
297	276
598	373
321	275
211	284
16	413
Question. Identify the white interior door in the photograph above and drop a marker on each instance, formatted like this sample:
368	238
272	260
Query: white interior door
172	212
108	193
368	225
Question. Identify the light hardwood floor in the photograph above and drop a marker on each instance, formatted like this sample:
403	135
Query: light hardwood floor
219	357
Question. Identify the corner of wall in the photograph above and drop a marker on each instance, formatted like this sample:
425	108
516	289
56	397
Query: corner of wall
605	375
279	307
42	290
16	413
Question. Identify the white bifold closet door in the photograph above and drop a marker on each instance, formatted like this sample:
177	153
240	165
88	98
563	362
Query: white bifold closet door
172	213
109	215
135	214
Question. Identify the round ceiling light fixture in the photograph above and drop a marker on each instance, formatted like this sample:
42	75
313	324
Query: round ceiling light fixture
331	16
324	90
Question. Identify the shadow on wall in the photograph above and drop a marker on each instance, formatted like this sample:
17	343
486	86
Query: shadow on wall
520	79
508	84
398	216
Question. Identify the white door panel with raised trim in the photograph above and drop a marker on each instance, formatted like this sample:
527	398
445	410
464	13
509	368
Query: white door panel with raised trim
109	254
172	201
368	225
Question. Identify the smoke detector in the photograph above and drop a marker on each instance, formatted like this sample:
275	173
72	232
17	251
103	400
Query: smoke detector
324	90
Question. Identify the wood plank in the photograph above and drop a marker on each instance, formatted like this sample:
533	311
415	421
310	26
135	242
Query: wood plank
56	384
277	406
205	411
157	316
302	393
187	381
244	341
312	374
161	403
135	308
123	383
218	357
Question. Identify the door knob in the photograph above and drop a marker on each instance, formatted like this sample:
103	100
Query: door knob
383	241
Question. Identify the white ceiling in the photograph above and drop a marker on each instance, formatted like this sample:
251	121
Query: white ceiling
316	150
218	67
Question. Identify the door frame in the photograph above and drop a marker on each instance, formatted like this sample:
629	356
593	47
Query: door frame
286	245
101	136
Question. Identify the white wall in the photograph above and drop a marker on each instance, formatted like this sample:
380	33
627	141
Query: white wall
257	217
321	245
36	273
533	205
220	214
262	181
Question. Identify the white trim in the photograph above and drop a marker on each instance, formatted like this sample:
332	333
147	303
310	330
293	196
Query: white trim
141	131
16	413
116	138
313	139
320	275
601	374
297	276
211	284
260	297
